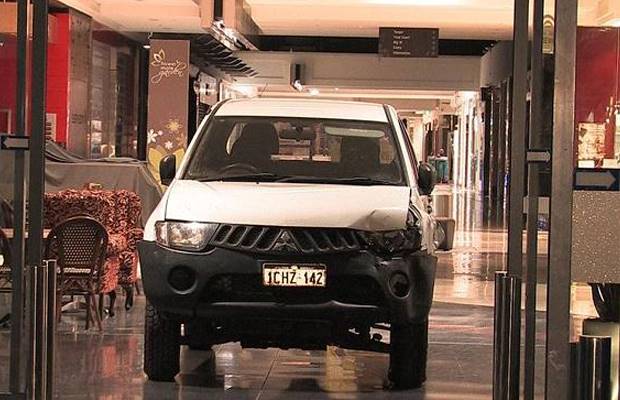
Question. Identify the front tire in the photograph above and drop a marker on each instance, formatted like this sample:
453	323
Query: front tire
161	346
408	355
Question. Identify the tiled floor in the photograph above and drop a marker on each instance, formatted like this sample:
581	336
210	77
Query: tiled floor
108	365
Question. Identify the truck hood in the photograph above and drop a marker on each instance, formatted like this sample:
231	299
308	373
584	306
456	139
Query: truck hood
370	208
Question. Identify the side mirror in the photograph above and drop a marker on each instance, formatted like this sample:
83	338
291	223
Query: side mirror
167	169
427	178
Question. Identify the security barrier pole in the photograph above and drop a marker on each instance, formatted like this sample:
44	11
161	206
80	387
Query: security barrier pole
575	378
37	374
31	323
558	360
535	133
17	364
40	366
514	336
520	66
595	367
500	352
51	328
41	306
506	345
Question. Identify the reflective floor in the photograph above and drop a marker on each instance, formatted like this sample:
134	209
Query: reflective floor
108	365
93	365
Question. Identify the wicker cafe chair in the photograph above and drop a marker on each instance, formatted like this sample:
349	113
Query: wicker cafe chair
5	264
60	206
79	246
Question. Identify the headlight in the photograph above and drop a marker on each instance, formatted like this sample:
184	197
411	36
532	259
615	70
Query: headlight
391	243
184	235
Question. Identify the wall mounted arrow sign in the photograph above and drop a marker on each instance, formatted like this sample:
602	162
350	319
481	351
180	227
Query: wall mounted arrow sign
8	142
597	179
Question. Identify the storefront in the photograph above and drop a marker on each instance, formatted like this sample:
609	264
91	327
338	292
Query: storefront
92	86
597	101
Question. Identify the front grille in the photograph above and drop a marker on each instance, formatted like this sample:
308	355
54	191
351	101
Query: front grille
249	288
278	240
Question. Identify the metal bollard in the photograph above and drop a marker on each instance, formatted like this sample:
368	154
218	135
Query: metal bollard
30	329
500	354
41	310
40	387
51	326
513	284
575	376
506	345
595	367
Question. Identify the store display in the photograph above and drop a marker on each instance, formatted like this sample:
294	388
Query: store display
597	93
591	142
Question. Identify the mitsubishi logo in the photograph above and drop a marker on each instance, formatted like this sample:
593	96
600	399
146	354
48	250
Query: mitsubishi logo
285	243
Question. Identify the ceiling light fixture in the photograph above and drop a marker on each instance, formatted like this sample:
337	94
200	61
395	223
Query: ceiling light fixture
245	90
146	46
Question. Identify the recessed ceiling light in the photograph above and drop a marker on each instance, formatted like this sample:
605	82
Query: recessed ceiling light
146	46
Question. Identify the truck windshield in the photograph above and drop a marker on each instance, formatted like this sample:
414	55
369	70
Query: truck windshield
296	150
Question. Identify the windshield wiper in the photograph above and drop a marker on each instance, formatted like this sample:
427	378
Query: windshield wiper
356	180
364	180
255	177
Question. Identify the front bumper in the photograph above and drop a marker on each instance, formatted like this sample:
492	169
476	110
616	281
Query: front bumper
340	302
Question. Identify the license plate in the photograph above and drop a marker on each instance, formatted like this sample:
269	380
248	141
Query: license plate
294	275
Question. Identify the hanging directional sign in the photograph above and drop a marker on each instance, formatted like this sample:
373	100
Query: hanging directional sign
8	142
409	42
597	179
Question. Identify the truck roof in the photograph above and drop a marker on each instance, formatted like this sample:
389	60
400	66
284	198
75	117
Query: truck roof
303	108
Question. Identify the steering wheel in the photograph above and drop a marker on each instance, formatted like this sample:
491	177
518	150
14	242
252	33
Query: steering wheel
239	166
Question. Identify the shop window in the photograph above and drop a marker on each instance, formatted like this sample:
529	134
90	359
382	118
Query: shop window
597	98
113	131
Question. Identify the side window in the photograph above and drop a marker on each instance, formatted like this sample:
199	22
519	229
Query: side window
409	146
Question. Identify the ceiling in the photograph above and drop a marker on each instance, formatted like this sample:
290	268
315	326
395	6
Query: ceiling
466	19
178	16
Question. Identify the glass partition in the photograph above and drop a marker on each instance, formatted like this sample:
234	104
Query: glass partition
9	124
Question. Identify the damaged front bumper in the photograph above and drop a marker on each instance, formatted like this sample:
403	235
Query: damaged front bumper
223	284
